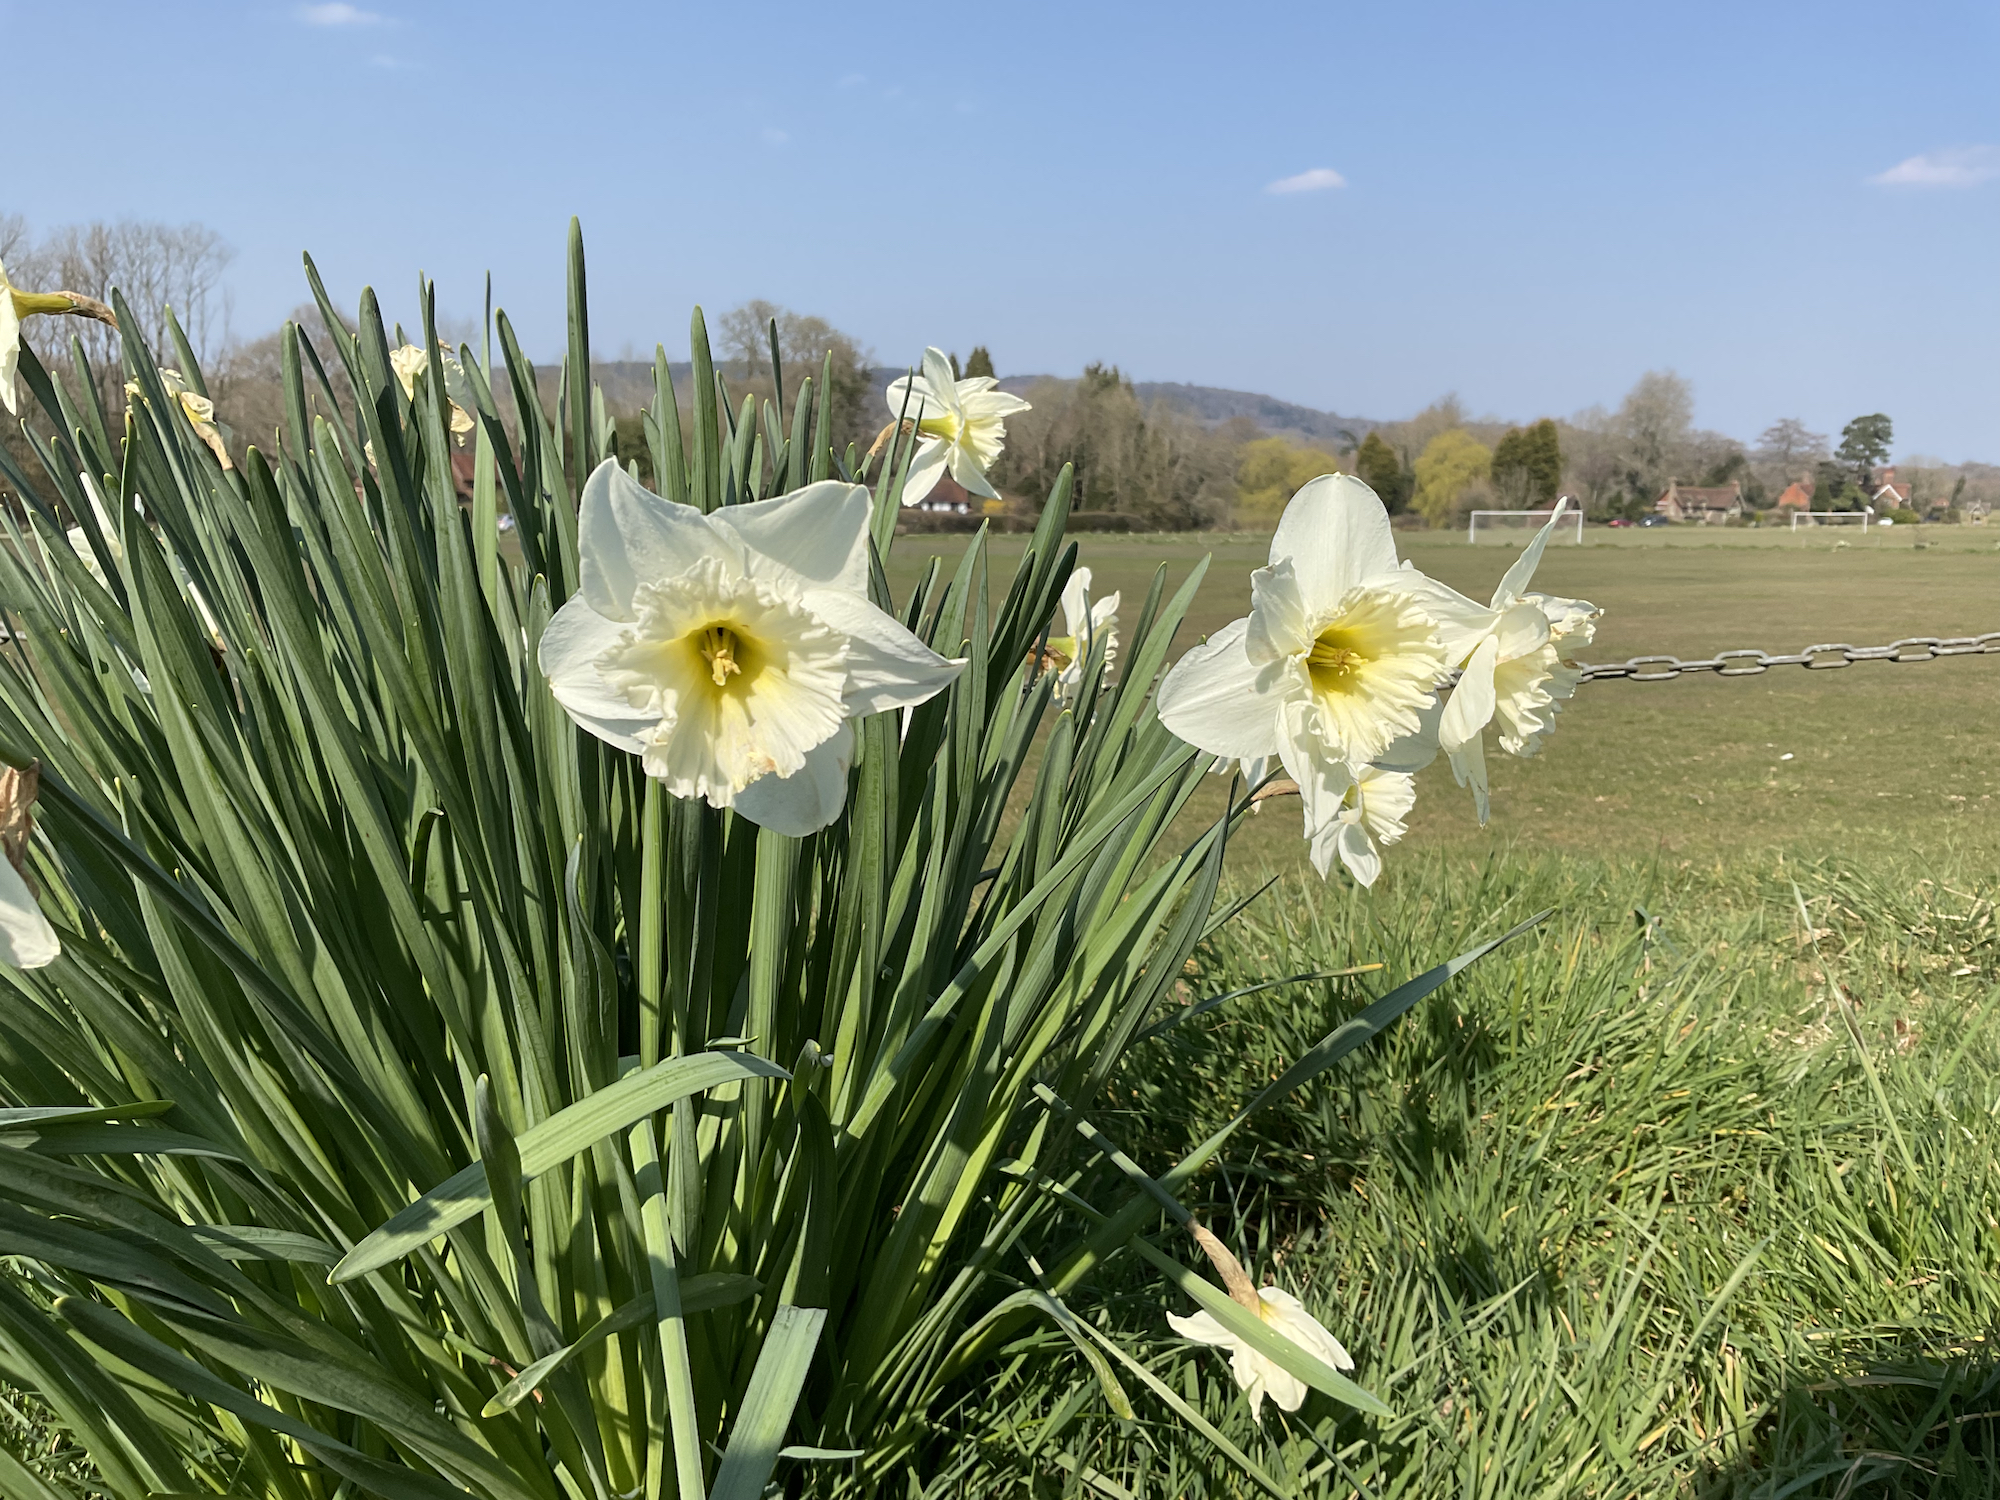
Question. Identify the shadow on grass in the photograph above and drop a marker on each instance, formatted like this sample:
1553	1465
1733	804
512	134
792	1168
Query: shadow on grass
1909	1428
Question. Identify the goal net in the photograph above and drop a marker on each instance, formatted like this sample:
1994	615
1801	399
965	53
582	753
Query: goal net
1859	518
1490	521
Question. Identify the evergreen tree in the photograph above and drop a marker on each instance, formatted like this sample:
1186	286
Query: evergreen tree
1864	447
1544	462
1379	468
979	362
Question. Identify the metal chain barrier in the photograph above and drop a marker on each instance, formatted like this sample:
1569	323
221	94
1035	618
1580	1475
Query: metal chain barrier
1820	658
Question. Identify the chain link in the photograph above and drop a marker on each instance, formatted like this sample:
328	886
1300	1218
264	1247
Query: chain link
1820	658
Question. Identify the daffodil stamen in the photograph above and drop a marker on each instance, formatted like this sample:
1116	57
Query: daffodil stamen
720	648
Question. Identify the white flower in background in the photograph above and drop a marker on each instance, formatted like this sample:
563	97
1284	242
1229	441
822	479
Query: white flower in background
1088	621
1255	1374
1334	669
410	360
15	305
27	941
961	426
1371	817
199	410
1510	666
114	540
731	650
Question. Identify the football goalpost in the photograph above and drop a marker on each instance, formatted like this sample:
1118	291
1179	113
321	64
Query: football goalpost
1525	520
1834	517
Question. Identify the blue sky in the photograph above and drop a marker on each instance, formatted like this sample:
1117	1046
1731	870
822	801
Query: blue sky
1529	205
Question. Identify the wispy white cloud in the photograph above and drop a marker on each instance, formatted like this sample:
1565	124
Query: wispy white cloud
1318	180
775	137
1953	167
385	61
338	13
852	80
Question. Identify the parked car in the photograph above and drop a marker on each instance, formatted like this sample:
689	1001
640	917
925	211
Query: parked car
1654	521
1619	521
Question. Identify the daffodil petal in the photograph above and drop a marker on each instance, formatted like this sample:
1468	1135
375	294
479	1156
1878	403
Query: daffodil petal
1417	749
820	533
627	535
807	800
908	397
926	469
1076	603
887	667
1336	533
1468	764
1217	699
1518	577
943	384
1471	707
1521	630
10	349
1280	626
989	403
575	641
1202	1328
27	941
971	478
1288	1316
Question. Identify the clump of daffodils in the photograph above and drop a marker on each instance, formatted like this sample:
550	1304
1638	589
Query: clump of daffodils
1340	672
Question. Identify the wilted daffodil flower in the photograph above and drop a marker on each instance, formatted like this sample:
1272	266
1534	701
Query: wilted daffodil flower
1511	669
199	410
15	305
27	941
1088	621
1335	666
410	360
731	650
961	426
1256	1374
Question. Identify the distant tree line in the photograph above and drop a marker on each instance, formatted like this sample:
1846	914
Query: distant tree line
1152	463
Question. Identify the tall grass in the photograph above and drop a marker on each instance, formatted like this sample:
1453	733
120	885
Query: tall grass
1631	1211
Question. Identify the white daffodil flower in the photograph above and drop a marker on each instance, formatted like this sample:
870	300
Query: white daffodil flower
27	941
410	360
1088	621
731	650
1255	1374
1510	668
1371	817
961	426
1336	665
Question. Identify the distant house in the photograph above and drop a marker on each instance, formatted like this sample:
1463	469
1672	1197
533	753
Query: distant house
1891	496
1711	506
1797	496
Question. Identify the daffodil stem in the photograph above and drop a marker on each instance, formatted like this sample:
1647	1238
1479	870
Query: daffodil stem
652	907
27	304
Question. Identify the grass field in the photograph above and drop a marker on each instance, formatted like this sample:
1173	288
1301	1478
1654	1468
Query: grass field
1884	757
1701	1204
1682	1195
